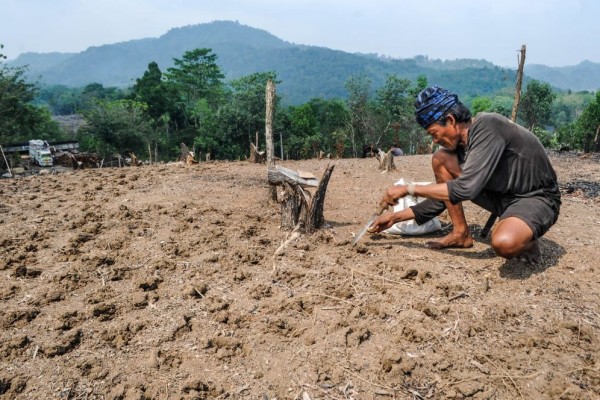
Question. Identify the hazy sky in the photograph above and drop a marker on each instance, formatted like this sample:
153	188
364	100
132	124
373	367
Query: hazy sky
556	32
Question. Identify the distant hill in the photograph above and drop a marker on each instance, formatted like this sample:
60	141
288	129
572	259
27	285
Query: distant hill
583	76
305	71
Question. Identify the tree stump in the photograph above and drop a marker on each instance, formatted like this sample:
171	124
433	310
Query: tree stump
133	157
186	155
386	161
300	210
257	157
293	202
315	219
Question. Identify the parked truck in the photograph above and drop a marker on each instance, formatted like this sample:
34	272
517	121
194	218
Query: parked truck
39	152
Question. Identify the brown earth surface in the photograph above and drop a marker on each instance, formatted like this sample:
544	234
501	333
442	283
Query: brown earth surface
161	282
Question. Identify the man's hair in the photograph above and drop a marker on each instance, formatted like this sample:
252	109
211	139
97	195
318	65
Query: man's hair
460	112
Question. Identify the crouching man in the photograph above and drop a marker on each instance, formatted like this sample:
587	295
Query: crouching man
489	160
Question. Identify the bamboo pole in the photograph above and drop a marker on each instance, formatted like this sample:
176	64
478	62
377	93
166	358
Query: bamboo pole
515	108
269	99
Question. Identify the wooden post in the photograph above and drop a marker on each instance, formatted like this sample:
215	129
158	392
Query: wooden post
518	86
7	166
269	99
281	145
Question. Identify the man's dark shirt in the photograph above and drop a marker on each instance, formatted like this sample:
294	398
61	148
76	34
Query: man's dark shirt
500	157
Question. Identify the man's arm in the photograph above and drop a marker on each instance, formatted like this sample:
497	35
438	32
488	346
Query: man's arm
436	191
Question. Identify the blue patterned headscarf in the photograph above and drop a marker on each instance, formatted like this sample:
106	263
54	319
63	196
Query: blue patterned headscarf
432	103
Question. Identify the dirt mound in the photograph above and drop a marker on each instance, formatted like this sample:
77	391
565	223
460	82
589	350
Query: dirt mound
162	282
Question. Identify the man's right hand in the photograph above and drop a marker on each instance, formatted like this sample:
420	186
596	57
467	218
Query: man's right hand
383	222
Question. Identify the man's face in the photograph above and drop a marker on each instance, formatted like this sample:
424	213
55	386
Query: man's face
444	135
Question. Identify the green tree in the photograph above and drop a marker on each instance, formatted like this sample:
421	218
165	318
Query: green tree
118	126
154	92
196	76
360	128
587	126
318	125
394	103
480	104
566	137
20	120
331	116
96	92
242	115
304	133
417	136
536	104
421	84
60	99
161	99
207	137
569	106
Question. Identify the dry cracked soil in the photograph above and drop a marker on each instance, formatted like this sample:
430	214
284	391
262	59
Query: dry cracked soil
163	282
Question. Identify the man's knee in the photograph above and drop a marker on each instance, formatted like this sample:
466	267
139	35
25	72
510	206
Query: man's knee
505	245
445	165
511	237
441	157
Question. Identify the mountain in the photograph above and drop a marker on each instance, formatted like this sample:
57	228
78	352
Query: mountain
583	76
120	64
304	71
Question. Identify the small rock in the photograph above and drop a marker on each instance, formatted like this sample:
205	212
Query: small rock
470	388
410	273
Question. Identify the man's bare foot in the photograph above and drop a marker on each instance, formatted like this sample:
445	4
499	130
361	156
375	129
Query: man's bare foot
533	255
453	239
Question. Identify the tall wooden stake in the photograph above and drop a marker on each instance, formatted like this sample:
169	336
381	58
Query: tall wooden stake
5	161
281	145
269	98
518	87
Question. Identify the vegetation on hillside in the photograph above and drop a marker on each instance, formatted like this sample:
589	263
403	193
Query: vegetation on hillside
19	118
192	102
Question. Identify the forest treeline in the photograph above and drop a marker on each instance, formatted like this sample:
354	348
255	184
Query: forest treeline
193	103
